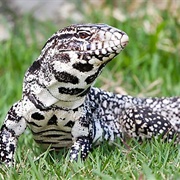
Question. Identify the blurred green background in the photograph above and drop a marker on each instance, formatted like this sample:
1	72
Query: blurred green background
149	65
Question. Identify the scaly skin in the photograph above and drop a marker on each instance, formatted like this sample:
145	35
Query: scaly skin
61	107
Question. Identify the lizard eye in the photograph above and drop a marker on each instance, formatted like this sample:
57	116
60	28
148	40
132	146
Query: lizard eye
83	34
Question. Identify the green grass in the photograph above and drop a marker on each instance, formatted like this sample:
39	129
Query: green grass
149	66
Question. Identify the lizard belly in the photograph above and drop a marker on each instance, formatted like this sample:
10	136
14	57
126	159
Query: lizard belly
51	127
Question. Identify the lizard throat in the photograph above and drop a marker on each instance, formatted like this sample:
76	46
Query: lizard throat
70	104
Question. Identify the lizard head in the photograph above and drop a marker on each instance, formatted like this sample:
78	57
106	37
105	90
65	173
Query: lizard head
84	48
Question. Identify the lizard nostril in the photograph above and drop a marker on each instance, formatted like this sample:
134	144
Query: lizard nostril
124	40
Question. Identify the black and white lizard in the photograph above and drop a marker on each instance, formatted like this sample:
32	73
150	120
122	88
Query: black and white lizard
61	107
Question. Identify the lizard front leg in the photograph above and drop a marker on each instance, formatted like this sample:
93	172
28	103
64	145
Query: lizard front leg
82	140
12	128
81	147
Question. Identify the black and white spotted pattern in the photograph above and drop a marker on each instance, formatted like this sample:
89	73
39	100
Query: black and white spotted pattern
62	109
